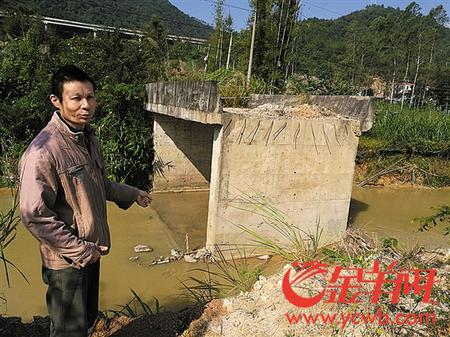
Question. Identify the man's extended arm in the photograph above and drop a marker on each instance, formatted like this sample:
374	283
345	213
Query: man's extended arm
122	194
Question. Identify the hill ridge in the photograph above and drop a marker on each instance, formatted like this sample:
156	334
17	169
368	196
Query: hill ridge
131	14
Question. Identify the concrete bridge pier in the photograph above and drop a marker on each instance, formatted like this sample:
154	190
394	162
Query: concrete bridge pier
184	149
301	166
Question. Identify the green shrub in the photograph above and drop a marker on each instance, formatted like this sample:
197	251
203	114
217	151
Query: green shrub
120	67
304	84
233	88
126	134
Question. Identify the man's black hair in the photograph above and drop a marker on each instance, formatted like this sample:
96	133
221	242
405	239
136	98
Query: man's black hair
68	73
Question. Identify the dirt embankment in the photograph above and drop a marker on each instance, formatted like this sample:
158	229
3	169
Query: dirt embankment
164	324
263	311
400	171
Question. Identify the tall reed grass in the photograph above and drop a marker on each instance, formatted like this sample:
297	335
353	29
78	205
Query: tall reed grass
415	130
233	86
9	220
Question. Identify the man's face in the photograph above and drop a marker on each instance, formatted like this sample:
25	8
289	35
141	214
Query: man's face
78	103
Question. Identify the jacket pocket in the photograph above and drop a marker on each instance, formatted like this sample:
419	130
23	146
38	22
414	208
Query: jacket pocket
78	172
73	179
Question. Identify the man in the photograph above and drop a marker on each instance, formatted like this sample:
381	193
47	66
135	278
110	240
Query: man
63	193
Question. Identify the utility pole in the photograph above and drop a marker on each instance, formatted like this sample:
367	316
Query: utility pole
229	49
252	45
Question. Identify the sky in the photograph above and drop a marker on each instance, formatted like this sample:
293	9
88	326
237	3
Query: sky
324	9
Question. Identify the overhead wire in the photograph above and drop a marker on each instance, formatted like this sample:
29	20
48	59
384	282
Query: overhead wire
322	8
228	5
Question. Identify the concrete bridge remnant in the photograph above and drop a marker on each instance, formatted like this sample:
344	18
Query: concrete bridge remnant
298	153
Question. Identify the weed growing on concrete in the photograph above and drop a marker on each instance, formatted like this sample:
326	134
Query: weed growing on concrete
233	87
300	245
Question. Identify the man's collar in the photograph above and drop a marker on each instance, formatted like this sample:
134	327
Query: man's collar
71	128
87	131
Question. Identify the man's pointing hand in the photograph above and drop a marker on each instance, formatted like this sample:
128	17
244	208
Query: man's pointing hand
143	199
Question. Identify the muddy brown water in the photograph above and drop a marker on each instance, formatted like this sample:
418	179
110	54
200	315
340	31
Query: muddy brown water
386	212
391	212
162	226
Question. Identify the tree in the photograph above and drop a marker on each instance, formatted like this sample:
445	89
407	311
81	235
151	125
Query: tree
435	22
216	40
228	41
276	22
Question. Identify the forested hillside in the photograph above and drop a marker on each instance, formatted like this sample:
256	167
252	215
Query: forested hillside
126	14
391	46
375	42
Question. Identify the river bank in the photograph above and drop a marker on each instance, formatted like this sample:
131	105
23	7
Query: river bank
373	168
396	170
263	310
163	324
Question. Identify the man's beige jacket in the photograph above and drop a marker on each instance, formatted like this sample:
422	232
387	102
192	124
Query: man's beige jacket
63	193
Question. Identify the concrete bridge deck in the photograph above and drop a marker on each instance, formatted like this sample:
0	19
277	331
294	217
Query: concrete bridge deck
77	26
302	166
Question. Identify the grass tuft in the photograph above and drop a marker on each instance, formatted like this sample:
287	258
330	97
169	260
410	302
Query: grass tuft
137	307
223	276
295	244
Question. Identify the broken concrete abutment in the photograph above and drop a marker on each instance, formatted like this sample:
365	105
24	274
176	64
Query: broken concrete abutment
295	153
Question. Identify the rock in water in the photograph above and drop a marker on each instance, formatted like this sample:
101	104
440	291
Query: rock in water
142	249
190	259
176	253
161	260
202	254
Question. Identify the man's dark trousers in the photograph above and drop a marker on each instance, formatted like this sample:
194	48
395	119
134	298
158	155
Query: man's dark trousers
72	299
